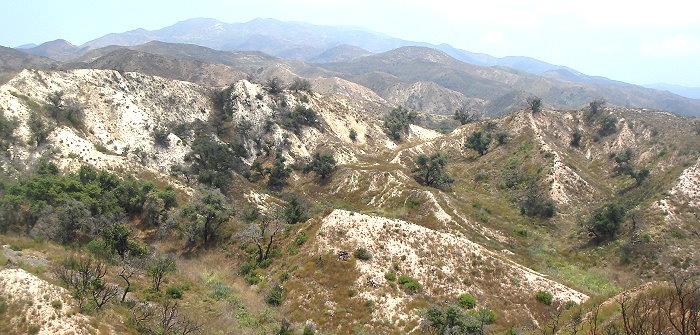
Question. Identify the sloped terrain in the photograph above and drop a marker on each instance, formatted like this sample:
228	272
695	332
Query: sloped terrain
478	234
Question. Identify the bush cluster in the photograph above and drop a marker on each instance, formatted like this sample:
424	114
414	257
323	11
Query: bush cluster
397	122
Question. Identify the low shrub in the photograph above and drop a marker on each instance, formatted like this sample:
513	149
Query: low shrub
466	300
362	254
544	297
275	296
409	284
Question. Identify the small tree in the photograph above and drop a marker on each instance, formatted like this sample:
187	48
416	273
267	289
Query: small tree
295	210
478	141
595	108
465	116
605	222
397	122
39	128
154	210
86	280
158	268
576	139
430	171
205	217
534	104
321	164
300	84
353	135
264	235
640	176
274	86
278	173
608	126
160	137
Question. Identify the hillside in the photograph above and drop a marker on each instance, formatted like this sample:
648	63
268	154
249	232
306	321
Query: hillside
408	65
13	61
60	50
296	208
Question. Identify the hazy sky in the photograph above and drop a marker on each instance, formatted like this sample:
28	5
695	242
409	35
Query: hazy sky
636	41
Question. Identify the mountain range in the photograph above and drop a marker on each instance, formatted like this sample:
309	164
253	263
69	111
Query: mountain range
457	76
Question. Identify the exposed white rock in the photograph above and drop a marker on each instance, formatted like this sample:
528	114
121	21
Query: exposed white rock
48	307
438	260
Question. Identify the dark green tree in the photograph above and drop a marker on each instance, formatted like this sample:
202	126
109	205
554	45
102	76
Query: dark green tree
479	142
606	221
212	162
295	211
465	116
278	173
535	104
397	122
205	217
300	84
430	171
274	86
321	164
576	139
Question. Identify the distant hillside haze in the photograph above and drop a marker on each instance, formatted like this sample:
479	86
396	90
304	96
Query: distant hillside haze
431	77
688	92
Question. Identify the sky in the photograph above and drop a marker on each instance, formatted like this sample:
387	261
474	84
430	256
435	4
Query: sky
639	41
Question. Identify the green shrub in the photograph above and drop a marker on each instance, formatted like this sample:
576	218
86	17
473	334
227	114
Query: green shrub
479	142
160	137
537	203
430	171
466	300
295	211
252	278
309	330
576	139
608	126
321	164
409	284
300	84
275	296
274	86
39	127
353	135
220	291
7	130
390	276
502	138
300	116
278	173
300	239
213	162
397	122
57	304
174	292
465	116
606	221
362	254
535	104
544	297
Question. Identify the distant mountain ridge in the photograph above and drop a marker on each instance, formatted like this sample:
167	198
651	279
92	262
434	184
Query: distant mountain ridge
684	91
390	66
297	40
